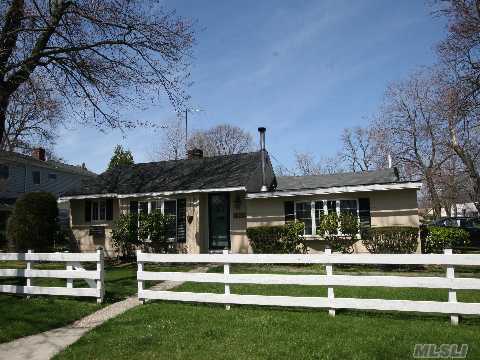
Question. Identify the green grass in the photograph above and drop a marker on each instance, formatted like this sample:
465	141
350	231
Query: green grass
22	317
200	331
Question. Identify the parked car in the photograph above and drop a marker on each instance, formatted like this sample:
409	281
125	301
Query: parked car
469	224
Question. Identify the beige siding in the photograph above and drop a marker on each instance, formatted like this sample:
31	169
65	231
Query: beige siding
238	223
394	208
81	229
388	208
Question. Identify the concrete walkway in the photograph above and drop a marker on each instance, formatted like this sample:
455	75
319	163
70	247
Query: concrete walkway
45	345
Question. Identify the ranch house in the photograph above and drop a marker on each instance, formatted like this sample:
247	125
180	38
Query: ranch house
215	199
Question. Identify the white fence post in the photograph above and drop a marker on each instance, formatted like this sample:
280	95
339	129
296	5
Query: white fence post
70	281
140	282
226	272
329	270
100	282
29	267
452	294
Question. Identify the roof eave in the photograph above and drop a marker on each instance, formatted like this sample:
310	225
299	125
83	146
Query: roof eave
337	190
151	194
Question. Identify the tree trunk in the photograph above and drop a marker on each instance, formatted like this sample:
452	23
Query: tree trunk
3	119
434	198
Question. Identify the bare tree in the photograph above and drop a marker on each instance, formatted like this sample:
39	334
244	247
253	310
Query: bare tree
412	130
223	139
360	148
460	86
172	143
31	119
459	52
97	55
305	164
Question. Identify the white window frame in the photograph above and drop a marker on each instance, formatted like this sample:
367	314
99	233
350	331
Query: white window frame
325	211
98	219
160	202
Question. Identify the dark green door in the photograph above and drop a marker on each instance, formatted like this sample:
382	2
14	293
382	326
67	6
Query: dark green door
219	221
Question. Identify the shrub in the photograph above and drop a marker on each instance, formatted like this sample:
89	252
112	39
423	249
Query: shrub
439	238
348	225
281	239
391	240
33	223
159	230
125	235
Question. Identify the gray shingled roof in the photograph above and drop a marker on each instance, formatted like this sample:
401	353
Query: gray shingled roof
238	170
384	176
51	164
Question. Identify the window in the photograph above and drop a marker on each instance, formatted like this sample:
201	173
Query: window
311	212
4	171
304	214
99	210
173	208
348	207
319	211
52	176
36	177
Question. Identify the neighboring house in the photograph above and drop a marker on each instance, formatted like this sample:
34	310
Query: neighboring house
467	209
215	199
20	174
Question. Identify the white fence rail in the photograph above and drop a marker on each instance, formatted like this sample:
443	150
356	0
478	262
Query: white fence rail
74	270
450	282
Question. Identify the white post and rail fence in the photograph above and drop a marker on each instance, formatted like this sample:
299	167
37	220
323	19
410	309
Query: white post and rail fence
73	270
449	282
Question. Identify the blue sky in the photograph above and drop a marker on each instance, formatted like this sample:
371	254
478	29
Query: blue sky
303	69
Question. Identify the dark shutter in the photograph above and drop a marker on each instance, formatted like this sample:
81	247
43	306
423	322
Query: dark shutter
289	207
181	220
109	205
364	214
133	207
88	211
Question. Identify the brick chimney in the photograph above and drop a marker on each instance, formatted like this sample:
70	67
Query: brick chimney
194	154
39	154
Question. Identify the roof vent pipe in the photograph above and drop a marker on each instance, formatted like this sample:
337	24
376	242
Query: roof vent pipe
389	161
262	130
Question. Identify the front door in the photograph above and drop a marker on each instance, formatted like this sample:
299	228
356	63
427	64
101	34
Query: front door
219	221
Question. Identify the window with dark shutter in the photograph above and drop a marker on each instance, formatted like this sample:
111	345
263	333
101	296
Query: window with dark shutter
4	172
88	211
289	207
109	209
181	220
364	214
133	207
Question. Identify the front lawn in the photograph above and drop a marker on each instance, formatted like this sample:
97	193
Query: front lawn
22	317
201	331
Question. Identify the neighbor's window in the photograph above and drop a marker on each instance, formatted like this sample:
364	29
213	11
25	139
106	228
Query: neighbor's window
36	177
52	176
4	171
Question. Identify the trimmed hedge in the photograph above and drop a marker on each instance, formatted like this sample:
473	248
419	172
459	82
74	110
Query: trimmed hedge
281	239
439	238
391	240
